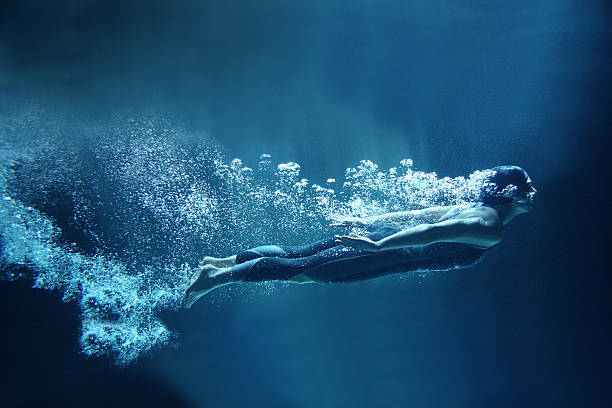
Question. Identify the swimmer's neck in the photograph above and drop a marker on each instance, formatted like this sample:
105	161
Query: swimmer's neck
507	211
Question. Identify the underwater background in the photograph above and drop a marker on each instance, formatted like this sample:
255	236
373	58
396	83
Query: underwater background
137	137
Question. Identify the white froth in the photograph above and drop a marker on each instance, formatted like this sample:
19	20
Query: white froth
197	201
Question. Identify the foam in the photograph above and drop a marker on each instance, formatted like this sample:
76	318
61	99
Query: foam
145	199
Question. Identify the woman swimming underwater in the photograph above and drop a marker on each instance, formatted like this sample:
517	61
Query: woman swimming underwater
447	237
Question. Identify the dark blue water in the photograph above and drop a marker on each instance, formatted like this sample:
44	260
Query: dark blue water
119	123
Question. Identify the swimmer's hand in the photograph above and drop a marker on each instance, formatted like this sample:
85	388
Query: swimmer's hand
357	242
346	221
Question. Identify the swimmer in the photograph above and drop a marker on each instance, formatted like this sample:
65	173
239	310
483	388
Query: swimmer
446	238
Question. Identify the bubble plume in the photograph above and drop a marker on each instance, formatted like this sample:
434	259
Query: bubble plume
113	216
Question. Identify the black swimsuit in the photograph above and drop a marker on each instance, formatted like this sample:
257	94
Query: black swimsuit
327	261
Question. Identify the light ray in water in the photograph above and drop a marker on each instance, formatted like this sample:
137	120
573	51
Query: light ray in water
112	216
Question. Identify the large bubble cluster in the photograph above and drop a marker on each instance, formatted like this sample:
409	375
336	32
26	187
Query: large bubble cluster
371	191
112	216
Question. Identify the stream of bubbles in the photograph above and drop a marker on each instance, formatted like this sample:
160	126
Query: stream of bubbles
113	216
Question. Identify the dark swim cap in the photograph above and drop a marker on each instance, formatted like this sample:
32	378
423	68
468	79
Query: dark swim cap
507	184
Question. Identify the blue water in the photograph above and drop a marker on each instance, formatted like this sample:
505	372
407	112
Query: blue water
137	137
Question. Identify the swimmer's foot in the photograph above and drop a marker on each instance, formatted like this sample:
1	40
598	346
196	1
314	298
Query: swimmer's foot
207	281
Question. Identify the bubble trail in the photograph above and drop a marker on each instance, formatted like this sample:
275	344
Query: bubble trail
113	215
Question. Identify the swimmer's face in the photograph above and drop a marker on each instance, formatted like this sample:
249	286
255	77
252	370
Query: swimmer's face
526	200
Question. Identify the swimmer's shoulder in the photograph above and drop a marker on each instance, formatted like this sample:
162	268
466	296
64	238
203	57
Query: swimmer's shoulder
489	215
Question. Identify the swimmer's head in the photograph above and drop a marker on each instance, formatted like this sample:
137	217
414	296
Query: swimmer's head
509	185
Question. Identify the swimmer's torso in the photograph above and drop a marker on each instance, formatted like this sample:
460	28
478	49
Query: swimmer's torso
464	211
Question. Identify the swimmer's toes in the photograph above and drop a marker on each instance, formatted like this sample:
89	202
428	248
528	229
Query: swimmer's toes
187	301
190	300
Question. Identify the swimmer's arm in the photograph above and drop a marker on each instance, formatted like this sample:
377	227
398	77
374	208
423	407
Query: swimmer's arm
474	231
426	215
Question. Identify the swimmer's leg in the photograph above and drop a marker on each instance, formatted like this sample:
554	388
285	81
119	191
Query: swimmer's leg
219	262
287	263
320	247
284	251
254	270
257	252
298	251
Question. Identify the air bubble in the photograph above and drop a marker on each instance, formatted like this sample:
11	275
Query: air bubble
151	204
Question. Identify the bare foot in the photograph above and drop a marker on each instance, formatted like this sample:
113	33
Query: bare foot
204	284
